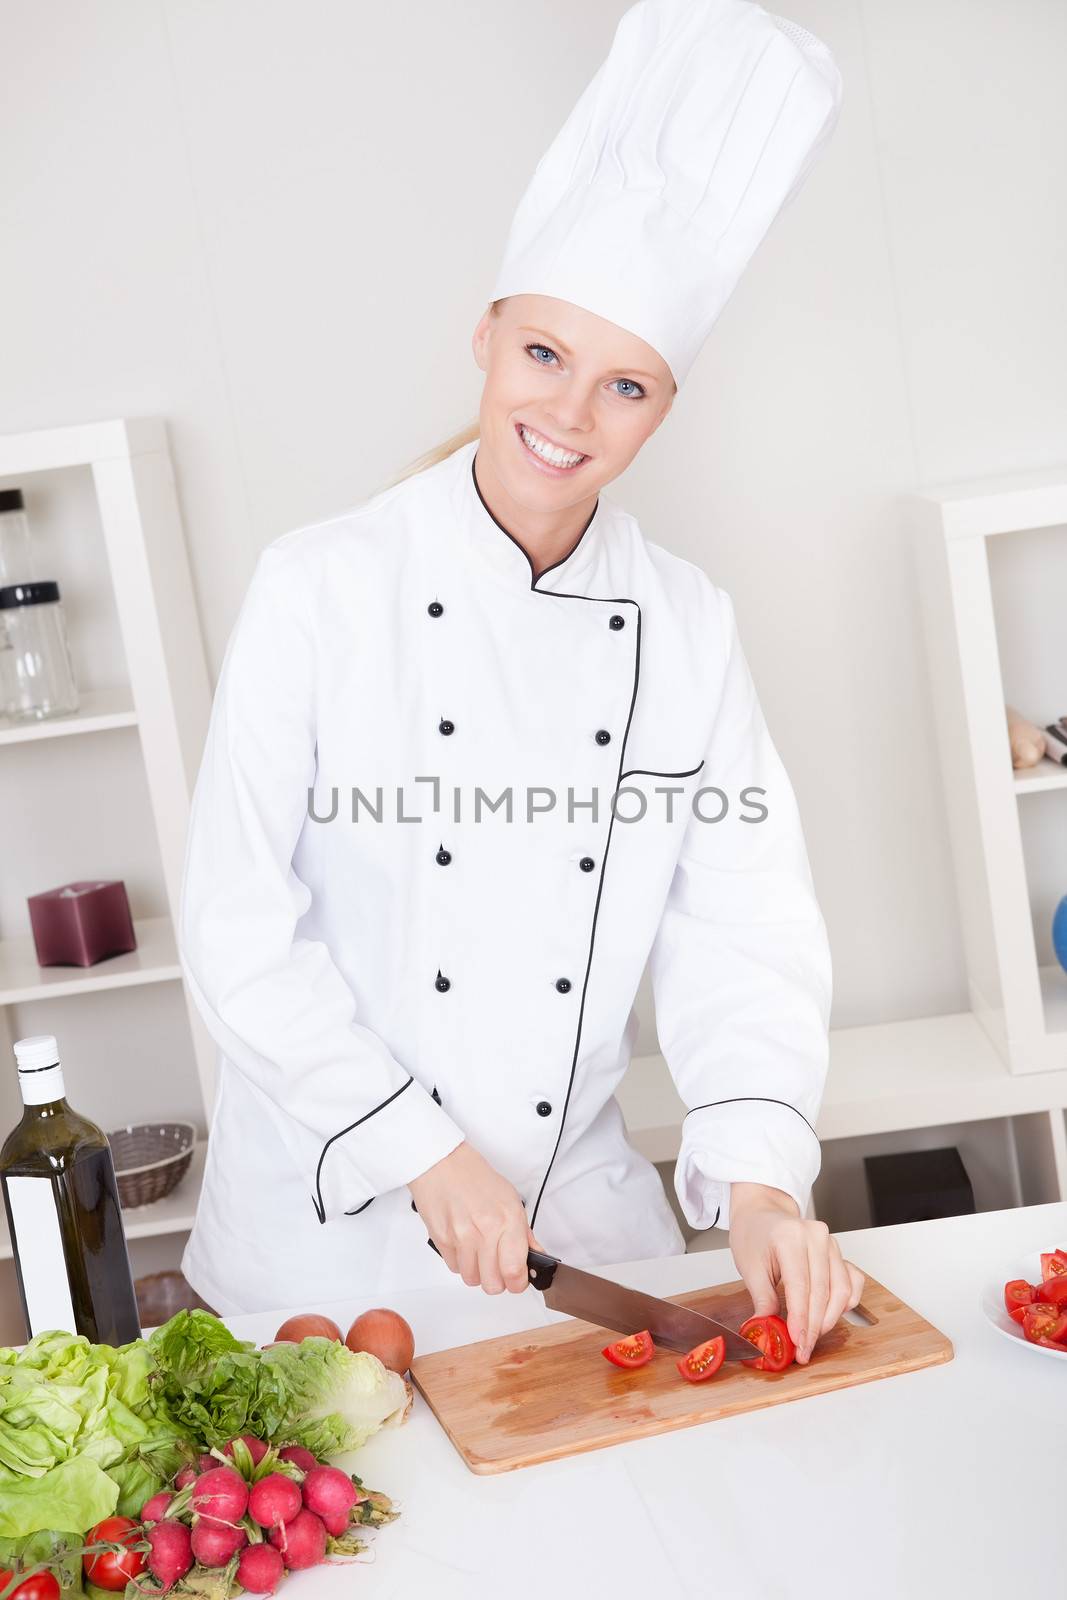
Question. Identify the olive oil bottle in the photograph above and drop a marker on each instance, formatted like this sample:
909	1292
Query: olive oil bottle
62	1206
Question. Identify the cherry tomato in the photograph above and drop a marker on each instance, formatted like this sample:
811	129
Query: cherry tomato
1053	1291
704	1360
109	1570
632	1352
1052	1263
1045	1323
771	1336
42	1586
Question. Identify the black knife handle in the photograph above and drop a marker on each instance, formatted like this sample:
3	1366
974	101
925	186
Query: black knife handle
542	1269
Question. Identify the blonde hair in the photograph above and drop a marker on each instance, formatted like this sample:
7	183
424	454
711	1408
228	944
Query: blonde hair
449	446
465	435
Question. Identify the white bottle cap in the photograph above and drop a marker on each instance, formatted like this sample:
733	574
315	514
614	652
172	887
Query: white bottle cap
39	1050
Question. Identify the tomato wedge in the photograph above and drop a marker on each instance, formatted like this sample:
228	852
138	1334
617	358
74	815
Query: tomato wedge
635	1351
1017	1293
704	1360
1052	1263
771	1336
1045	1323
1052	1291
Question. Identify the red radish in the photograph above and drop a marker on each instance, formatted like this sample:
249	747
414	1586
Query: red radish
256	1448
260	1568
328	1492
155	1509
171	1554
274	1499
335	1523
206	1462
185	1476
302	1542
214	1545
220	1495
298	1456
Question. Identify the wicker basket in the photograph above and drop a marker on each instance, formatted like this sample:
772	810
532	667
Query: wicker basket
151	1159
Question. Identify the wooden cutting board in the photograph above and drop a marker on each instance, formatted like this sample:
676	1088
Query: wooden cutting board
521	1398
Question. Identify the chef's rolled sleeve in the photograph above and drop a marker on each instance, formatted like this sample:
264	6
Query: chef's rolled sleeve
355	1121
741	969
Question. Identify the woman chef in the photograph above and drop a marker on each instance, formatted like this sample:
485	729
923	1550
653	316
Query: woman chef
480	750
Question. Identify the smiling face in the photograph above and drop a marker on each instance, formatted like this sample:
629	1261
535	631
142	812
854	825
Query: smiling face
568	399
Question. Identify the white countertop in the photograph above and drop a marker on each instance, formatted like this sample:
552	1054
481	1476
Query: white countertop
915	1486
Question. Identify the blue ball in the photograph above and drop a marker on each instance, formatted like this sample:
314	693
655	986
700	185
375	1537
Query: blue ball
1059	933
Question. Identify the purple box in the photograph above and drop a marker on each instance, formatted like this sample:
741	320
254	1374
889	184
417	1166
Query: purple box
79	924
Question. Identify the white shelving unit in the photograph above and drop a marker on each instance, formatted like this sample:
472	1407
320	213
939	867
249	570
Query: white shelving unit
127	522
1020	1002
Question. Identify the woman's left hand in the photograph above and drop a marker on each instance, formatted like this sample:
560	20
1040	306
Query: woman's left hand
772	1244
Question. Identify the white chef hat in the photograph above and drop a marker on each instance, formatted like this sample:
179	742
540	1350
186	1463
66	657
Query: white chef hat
699	126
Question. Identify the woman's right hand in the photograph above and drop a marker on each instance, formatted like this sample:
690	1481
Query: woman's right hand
476	1219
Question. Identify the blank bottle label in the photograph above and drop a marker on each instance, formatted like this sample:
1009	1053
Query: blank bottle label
41	1259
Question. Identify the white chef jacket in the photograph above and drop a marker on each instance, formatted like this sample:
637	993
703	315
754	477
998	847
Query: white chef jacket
390	964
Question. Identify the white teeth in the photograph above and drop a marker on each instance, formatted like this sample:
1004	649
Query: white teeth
558	458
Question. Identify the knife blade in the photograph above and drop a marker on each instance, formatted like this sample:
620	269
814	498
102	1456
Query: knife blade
612	1305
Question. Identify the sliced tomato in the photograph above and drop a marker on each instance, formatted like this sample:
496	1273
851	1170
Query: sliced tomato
1053	1344
1053	1262
1017	1313
704	1360
771	1336
1017	1293
1052	1291
1045	1323
111	1569
635	1351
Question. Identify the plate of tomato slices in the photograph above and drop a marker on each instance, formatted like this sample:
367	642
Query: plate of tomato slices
1031	1306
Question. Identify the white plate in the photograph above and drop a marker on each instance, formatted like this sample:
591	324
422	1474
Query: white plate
992	1303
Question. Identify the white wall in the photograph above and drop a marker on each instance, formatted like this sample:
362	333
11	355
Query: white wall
276	225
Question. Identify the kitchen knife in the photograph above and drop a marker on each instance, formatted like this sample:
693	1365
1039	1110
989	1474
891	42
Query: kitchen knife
610	1305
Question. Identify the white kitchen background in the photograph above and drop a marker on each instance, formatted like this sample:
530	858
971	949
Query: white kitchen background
275	226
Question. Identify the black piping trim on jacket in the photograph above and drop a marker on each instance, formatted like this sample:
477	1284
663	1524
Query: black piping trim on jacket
535	578
647	772
316	1198
732	1098
600	600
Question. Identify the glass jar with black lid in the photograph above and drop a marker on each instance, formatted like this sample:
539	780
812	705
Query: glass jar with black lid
36	673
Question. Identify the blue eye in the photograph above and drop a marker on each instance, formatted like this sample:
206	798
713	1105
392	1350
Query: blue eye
530	348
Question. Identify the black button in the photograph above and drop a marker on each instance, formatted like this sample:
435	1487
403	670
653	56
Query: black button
616	622
442	984
543	1108
563	985
435	608
587	863
443	857
444	726
434	1094
603	736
